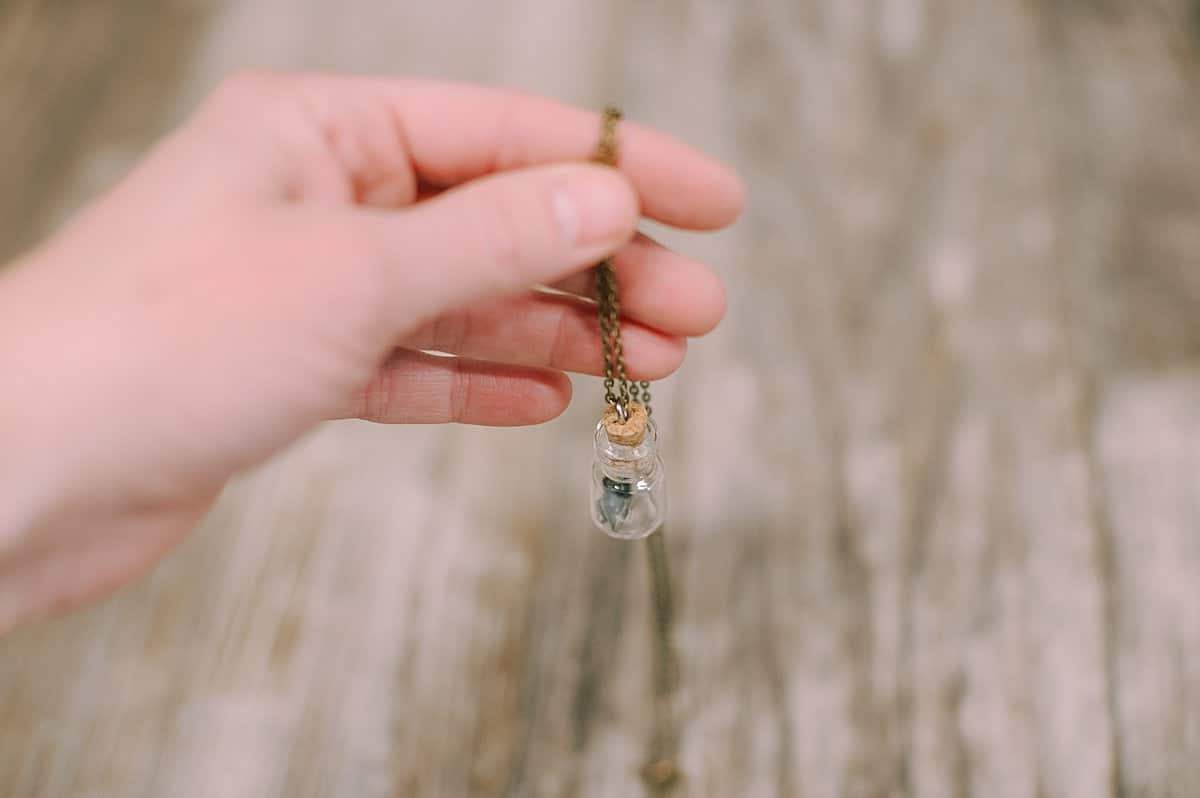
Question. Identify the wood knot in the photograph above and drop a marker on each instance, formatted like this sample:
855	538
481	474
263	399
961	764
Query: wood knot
631	431
661	774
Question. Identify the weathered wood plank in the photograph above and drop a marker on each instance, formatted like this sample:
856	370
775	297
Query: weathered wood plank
84	88
942	543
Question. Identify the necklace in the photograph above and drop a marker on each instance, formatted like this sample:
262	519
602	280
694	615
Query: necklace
628	485
629	499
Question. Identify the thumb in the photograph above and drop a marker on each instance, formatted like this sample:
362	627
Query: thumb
500	235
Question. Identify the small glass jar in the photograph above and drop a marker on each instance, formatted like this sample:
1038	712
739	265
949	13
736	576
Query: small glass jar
629	497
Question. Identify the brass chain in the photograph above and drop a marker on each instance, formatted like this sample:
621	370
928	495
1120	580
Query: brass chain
619	390
661	772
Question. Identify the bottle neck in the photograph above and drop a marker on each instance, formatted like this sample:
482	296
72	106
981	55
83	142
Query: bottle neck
627	463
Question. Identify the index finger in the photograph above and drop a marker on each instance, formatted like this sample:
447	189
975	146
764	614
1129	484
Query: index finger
455	132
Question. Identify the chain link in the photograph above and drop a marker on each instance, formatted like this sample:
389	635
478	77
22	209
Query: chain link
662	772
619	390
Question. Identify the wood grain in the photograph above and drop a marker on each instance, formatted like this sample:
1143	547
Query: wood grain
944	541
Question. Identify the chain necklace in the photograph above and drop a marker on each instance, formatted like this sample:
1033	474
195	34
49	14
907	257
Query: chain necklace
629	490
615	378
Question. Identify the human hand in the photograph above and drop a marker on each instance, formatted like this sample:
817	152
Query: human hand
279	261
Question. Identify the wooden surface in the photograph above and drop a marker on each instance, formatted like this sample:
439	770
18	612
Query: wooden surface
945	541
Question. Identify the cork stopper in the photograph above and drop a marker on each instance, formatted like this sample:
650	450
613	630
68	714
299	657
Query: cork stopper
631	431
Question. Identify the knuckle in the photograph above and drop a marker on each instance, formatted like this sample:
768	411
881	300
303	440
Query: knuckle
364	273
343	268
518	230
375	403
557	353
451	331
459	396
510	144
504	236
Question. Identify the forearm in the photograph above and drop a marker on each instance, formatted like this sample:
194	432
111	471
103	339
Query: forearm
54	492
27	490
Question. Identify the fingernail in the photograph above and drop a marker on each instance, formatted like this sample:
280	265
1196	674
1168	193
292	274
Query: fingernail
595	207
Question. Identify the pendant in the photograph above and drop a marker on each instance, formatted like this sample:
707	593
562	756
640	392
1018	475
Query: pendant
629	498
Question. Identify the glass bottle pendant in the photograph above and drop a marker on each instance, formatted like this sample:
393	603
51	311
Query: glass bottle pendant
629	498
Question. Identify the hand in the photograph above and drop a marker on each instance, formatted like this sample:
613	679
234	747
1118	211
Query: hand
279	261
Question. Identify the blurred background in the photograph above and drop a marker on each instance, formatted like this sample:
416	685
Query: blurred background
936	521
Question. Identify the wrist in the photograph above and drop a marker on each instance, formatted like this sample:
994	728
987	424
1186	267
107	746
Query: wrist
80	511
34	463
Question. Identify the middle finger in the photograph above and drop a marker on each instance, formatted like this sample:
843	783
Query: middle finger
659	288
558	332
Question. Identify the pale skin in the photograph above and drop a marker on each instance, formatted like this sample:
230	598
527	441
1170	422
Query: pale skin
279	261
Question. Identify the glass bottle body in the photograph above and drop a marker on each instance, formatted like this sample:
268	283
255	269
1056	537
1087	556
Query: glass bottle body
628	497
